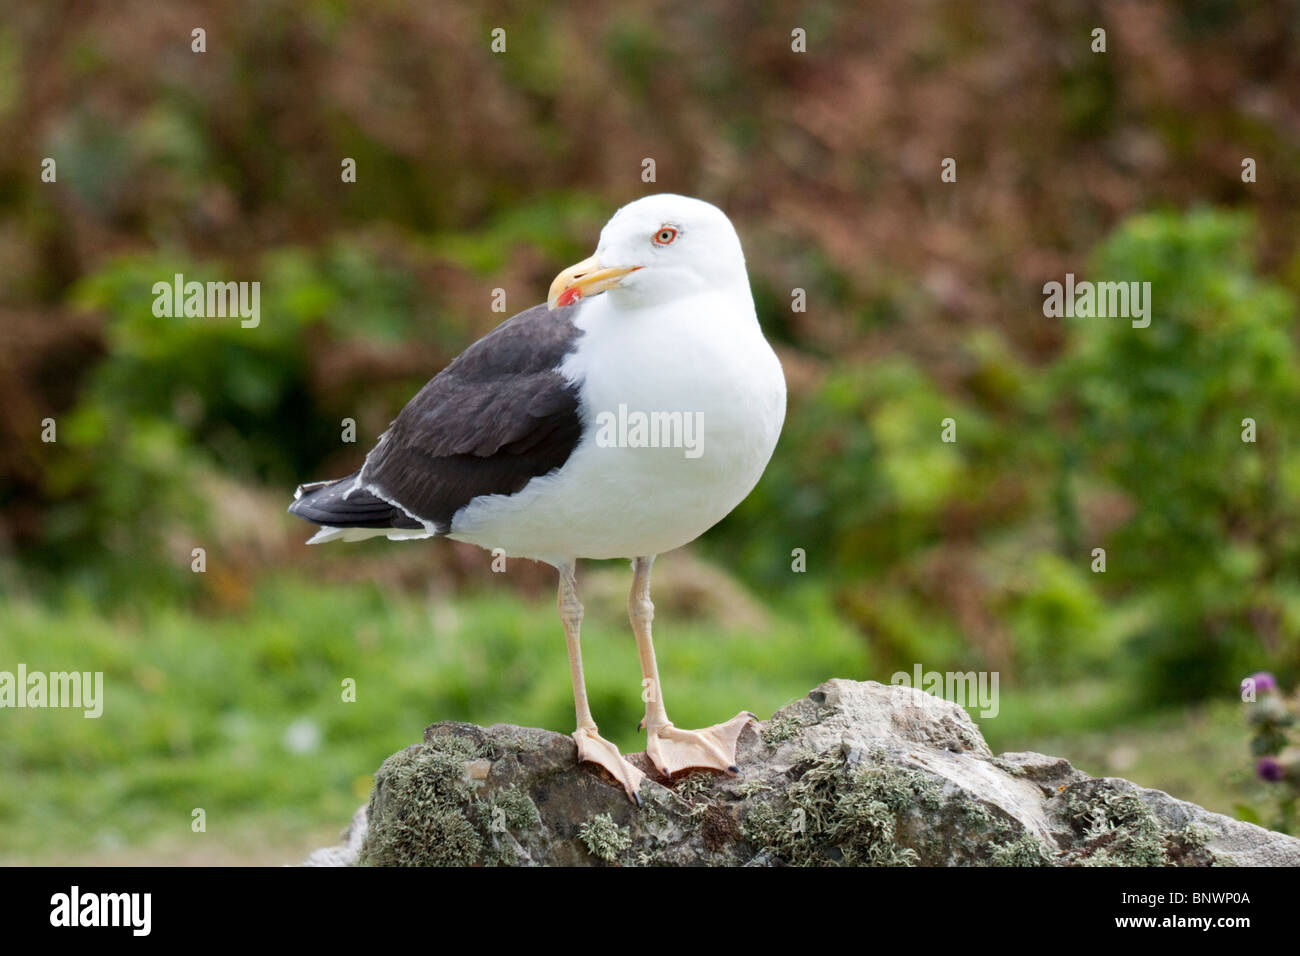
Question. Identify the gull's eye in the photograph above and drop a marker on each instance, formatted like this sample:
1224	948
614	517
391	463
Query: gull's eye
665	236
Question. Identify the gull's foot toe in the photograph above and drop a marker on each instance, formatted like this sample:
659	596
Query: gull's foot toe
672	750
593	748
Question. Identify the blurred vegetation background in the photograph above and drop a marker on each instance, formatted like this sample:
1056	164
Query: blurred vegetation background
478	170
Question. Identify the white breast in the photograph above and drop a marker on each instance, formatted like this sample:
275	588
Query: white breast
703	357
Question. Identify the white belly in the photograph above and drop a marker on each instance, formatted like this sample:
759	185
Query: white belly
617	496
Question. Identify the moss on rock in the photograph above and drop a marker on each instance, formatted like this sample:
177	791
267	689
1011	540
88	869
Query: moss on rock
864	774
836	813
604	838
424	811
416	816
1118	829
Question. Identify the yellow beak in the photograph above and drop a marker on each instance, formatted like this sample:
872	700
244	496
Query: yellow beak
583	279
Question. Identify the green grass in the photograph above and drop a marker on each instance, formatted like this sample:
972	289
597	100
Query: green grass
198	710
203	711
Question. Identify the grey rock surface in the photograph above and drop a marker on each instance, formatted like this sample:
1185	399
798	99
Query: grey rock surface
853	774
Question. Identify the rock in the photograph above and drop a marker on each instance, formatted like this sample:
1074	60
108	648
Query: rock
345	854
854	773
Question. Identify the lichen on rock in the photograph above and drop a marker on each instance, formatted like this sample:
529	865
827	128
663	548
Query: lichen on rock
1116	828
425	810
416	812
839	811
604	838
853	774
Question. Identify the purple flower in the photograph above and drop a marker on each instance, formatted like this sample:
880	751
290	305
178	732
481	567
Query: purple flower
1270	769
1263	681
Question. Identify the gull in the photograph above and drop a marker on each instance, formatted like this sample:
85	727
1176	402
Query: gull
621	419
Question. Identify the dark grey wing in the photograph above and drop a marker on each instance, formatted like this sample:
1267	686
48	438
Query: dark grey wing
341	504
498	416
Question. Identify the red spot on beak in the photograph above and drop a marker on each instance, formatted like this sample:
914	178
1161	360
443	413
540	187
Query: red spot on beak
569	296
